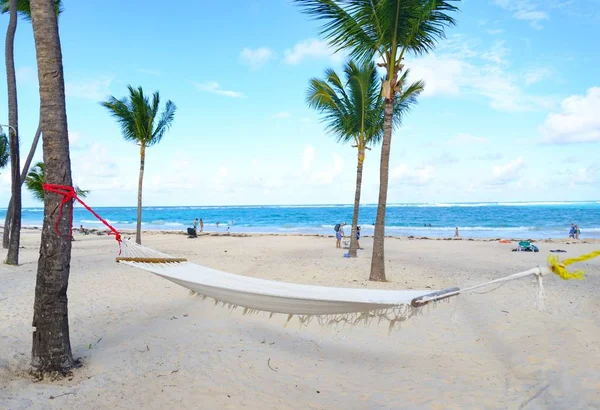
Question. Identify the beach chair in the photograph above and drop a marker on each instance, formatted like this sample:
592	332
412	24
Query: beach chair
526	246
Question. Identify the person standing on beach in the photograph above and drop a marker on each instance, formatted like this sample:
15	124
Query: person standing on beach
338	236
196	225
572	231
358	237
201	225
456	232
577	232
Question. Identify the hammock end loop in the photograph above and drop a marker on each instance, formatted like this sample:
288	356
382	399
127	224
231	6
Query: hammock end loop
434	297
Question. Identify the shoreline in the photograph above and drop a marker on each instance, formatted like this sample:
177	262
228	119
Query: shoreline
102	232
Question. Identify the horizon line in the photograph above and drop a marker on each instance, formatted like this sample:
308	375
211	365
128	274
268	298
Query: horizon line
342	204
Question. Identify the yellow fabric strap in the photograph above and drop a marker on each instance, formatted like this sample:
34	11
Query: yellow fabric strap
560	268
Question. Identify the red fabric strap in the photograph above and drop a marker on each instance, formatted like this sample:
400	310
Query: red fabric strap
69	194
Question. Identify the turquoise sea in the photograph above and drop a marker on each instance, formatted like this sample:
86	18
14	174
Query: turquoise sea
534	220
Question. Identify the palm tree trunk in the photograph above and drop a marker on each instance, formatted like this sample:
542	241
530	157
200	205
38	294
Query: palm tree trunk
138	230
8	219
13	119
359	171
51	351
378	259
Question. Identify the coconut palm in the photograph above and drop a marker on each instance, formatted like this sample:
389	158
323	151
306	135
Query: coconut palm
35	183
388	30
353	111
23	8
140	123
13	120
4	150
51	350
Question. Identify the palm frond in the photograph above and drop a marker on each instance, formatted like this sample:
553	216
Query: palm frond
385	27
122	112
350	108
35	181
346	28
82	193
428	23
407	98
4	151
24	8
164	123
137	116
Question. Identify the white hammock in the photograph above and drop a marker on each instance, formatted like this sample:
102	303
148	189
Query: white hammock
327	304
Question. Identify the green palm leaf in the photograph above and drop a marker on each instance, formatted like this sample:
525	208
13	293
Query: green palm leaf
24	7
4	151
350	108
138	116
35	183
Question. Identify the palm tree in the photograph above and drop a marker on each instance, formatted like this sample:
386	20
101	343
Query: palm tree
23	8
4	150
141	124
13	120
35	181
51	350
388	29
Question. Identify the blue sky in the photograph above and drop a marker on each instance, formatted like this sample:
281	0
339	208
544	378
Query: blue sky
510	110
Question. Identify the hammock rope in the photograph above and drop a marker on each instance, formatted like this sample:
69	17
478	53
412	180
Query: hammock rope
329	305
69	194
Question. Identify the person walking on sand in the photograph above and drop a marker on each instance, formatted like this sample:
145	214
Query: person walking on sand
201	225
456	232
572	231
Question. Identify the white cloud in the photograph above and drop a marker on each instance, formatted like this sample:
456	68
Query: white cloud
585	176
311	48
455	74
97	163
497	54
444	158
256	58
495	31
330	174
577	121
405	175
308	157
535	75
215	88
526	10
507	173
96	89
282	115
441	74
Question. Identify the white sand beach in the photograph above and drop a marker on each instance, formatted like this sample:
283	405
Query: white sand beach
147	343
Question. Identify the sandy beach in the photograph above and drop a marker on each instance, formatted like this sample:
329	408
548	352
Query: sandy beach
147	343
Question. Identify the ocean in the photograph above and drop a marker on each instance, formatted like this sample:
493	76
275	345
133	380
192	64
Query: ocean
531	220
